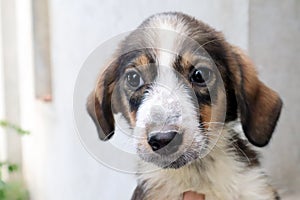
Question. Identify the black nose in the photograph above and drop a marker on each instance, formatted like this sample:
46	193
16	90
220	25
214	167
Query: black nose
165	142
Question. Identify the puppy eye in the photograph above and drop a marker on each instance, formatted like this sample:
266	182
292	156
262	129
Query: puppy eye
134	79
201	76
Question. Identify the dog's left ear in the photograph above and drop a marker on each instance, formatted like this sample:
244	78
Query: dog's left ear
259	106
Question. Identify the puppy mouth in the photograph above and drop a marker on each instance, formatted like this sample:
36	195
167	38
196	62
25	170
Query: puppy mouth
171	161
182	157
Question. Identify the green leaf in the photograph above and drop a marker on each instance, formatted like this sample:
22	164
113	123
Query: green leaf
3	123
12	168
13	191
2	190
2	184
19	130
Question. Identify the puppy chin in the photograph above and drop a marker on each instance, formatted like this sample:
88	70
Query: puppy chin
180	162
173	161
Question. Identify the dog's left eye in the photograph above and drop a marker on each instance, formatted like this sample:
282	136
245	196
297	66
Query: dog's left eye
134	79
201	76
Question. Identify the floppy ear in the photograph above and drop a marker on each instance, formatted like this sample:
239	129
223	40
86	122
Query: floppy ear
259	106
99	103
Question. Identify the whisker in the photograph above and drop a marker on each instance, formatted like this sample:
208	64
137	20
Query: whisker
210	41
233	146
214	146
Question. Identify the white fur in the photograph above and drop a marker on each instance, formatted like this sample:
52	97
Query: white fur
167	93
168	37
167	103
123	138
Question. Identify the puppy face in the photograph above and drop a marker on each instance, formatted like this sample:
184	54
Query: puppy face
175	81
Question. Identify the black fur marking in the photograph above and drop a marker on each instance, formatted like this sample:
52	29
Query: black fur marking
277	197
137	97
244	152
203	99
231	113
139	192
177	64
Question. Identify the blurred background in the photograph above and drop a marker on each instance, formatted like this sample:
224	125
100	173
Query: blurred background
43	44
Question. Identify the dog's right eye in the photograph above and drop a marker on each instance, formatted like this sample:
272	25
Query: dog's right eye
134	79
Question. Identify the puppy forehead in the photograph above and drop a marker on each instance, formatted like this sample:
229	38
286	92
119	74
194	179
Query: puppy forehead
170	40
164	37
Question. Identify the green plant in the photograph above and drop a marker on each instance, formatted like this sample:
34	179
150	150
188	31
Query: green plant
12	190
19	130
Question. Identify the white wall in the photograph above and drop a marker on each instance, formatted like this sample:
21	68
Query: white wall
2	136
274	46
10	108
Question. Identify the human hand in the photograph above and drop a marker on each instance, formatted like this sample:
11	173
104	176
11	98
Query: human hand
193	196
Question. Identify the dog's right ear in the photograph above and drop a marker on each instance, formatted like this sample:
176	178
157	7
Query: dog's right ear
99	103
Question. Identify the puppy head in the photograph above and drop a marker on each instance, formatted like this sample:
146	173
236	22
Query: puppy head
172	80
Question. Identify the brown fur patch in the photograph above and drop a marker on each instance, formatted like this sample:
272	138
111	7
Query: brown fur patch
205	112
259	105
142	60
132	116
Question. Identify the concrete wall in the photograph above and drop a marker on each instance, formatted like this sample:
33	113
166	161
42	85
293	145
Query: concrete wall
274	44
10	104
2	136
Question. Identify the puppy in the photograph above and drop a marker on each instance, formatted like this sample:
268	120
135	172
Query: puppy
195	108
